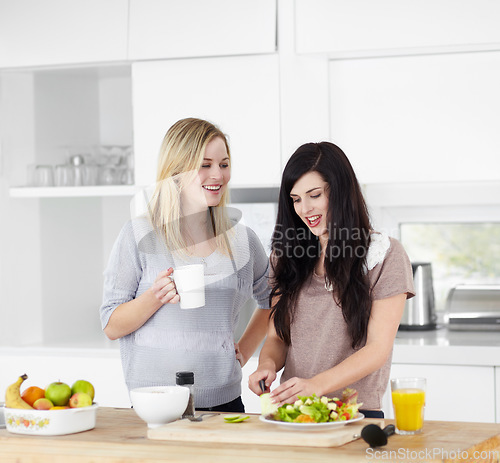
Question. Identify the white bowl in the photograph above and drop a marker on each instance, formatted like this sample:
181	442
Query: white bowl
158	405
50	422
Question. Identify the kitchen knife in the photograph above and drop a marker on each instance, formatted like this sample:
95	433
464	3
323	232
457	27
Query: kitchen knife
262	385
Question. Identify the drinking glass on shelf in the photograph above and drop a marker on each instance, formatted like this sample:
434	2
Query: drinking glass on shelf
44	176
64	175
107	175
127	176
91	174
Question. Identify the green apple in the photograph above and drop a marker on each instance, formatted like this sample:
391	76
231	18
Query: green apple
266	406
58	393
43	404
83	386
80	399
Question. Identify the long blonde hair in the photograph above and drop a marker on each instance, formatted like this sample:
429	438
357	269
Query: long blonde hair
182	152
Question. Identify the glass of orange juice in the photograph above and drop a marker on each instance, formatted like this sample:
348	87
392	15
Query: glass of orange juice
408	400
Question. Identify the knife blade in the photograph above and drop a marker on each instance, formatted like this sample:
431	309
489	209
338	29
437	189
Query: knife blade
262	385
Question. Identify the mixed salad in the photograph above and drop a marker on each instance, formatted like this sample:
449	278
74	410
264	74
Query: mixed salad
313	409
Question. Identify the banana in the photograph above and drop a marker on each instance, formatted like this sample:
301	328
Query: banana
13	397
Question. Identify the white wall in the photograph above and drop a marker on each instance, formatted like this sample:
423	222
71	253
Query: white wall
65	107
20	269
115	112
70	233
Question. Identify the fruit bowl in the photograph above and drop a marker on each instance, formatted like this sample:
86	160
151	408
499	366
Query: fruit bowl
50	422
158	405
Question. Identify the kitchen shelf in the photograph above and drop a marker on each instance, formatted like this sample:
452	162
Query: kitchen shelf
73	192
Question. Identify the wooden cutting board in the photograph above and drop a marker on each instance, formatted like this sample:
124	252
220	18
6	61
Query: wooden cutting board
254	431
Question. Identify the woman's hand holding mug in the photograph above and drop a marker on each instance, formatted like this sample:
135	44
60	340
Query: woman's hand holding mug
164	288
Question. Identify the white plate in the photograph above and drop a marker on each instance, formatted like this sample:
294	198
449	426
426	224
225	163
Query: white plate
312	426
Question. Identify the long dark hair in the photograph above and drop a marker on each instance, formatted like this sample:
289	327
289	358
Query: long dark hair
295	250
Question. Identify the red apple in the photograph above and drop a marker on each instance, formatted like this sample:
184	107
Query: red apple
43	404
83	386
80	399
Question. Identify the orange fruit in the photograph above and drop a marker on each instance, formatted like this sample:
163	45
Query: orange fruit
31	394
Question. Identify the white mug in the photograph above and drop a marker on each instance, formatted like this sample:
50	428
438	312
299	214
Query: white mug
190	283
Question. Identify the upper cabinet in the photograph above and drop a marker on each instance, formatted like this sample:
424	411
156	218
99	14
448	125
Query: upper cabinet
195	28
418	118
368	26
53	32
60	32
240	94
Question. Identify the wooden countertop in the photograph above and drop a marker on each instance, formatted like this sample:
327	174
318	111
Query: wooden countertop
121	437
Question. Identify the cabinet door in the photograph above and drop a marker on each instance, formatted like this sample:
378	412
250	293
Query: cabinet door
239	94
412	118
34	33
361	26
454	393
191	28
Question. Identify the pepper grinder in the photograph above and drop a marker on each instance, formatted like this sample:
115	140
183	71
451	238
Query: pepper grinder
186	378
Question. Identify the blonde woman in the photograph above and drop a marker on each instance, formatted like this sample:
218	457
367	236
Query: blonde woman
187	223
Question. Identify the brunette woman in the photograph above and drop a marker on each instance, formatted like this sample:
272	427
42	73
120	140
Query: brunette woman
338	287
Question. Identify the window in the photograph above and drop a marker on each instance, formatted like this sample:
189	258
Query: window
460	253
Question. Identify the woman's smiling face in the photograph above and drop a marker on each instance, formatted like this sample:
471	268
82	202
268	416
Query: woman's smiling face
210	182
215	171
310	201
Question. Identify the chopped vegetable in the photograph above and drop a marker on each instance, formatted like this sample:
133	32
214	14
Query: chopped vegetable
235	418
315	409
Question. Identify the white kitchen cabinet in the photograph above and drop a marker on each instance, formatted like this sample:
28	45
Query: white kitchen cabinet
239	94
449	391
412	118
364	27
454	393
304	89
194	28
54	32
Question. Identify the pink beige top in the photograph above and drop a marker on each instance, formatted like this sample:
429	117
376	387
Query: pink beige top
319	337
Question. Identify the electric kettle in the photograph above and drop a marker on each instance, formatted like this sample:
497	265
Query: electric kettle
419	313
